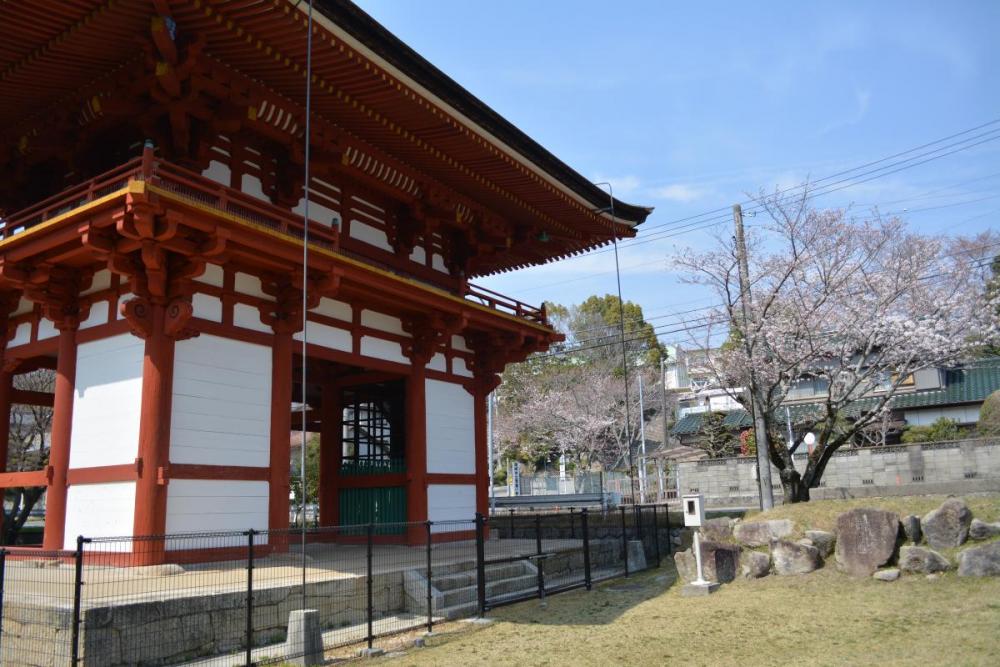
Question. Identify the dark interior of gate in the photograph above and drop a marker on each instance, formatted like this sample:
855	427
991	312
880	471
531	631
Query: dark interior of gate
355	422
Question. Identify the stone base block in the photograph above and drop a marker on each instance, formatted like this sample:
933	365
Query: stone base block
699	590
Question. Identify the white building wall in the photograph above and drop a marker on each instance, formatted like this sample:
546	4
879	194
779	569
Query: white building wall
451	502
221	403
451	432
106	404
99	510
195	505
963	414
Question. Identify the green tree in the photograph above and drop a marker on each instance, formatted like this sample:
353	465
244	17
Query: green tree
989	416
941	430
715	437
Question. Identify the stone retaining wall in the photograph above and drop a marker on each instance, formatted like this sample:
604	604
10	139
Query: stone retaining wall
959	466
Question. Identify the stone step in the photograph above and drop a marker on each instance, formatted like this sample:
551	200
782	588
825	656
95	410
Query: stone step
463	610
493	589
449	582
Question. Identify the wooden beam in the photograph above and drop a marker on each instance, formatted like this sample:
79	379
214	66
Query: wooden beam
28	397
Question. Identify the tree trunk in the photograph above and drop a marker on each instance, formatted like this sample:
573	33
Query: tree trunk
791	484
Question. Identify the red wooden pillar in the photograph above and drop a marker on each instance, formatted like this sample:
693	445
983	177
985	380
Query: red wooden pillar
482	455
330	455
6	380
416	449
154	438
281	429
59	440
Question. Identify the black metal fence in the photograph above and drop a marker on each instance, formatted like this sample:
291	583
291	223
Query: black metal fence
236	598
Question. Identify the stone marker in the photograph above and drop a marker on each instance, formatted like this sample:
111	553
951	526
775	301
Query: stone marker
866	540
823	541
699	590
719	562
891	574
305	638
755	564
911	526
948	525
793	558
636	556
762	533
981	561
919	560
717	530
980	530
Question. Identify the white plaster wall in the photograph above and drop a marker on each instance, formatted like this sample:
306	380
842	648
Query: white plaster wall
195	505
451	502
248	317
23	306
437	263
207	307
318	213
451	433
458	343
106	402
101	281
122	299
46	329
335	309
382	322
438	363
386	350
249	284
219	172
326	336
98	315
418	255
458	367
961	414
213	275
221	402
370	235
22	335
252	186
99	510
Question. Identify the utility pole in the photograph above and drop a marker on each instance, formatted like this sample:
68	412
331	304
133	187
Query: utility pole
757	408
666	433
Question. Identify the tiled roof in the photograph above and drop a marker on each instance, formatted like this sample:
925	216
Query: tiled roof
971	383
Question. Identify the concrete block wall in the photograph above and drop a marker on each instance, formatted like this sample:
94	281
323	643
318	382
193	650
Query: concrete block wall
939	467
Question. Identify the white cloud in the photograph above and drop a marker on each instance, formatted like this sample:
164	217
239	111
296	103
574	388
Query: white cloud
622	185
679	192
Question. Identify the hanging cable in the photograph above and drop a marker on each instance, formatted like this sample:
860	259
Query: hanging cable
305	294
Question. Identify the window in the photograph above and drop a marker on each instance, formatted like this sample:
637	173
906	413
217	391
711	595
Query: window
373	429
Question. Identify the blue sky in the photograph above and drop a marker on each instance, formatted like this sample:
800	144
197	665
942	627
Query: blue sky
689	106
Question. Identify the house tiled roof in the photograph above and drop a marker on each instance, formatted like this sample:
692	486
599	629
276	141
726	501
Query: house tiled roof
970	383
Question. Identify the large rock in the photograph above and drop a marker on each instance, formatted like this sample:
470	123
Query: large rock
948	525
793	558
980	530
823	541
911	527
718	530
762	533
981	561
866	540
755	564
919	560
719	562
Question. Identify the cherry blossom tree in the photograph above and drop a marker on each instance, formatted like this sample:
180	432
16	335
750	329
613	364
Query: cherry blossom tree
847	307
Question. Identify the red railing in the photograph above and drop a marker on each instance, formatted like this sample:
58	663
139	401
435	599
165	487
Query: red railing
203	191
505	304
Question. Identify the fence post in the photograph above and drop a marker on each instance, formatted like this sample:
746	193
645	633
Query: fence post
511	523
539	562
77	594
670	539
3	577
638	522
430	600
585	527
656	537
370	582
624	540
572	526
480	565
249	655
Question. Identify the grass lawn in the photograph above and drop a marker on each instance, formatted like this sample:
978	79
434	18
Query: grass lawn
823	618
